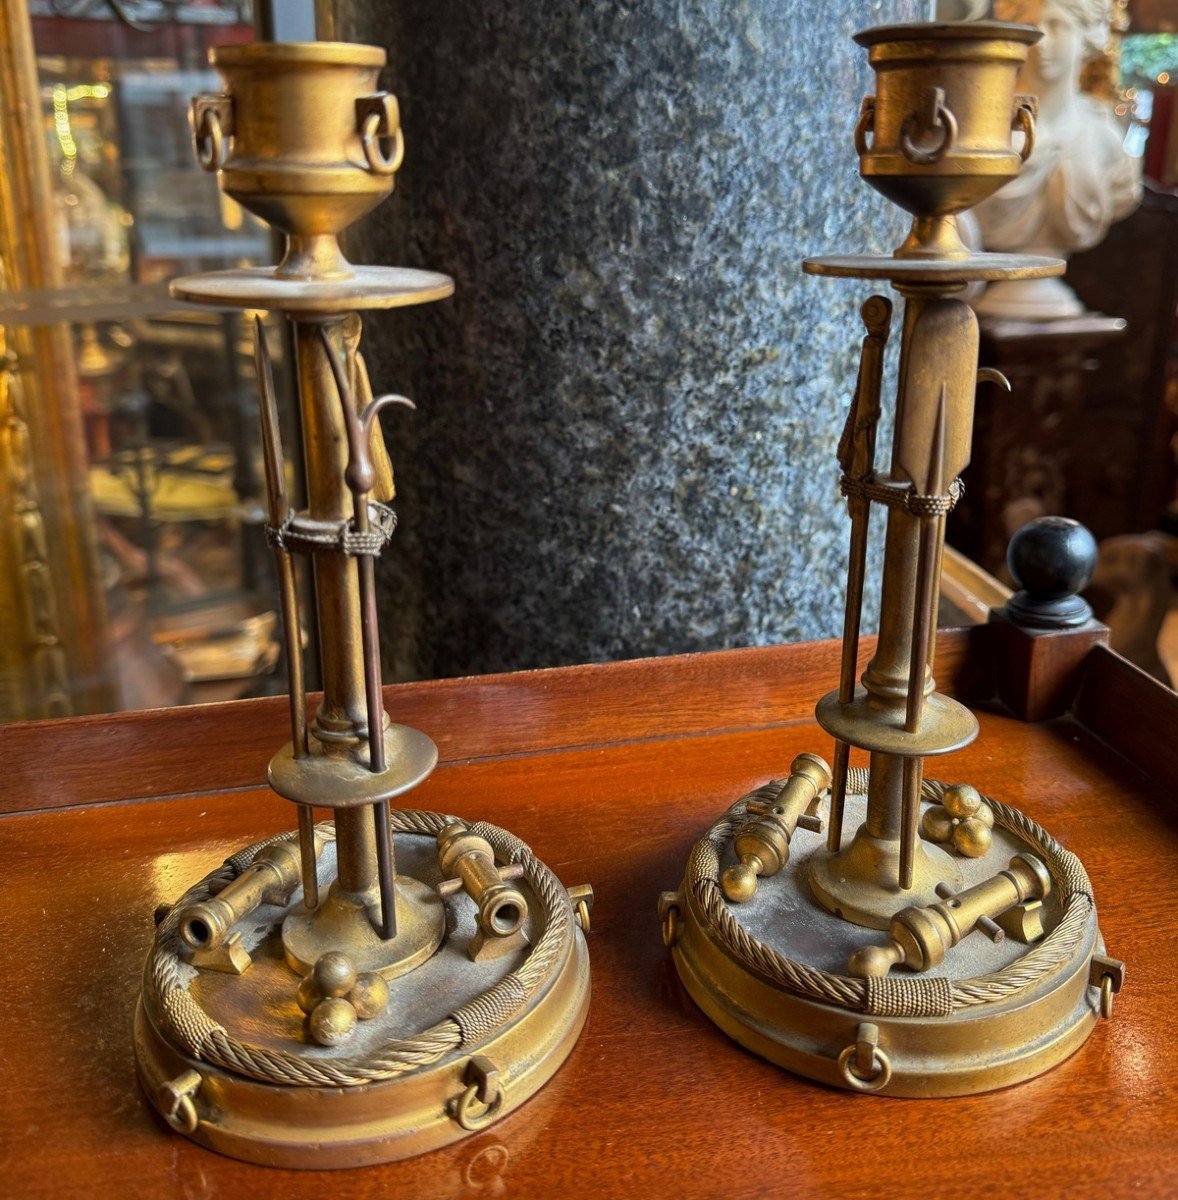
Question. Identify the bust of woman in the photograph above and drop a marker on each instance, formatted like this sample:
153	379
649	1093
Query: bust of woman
1078	180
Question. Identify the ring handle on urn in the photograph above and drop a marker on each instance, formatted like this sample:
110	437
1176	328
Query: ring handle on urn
378	117
212	123
1023	121
864	125
937	115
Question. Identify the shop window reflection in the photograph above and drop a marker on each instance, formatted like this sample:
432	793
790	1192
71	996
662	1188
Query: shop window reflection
163	396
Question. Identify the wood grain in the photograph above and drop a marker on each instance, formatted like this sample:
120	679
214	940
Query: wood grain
106	759
654	1101
1132	711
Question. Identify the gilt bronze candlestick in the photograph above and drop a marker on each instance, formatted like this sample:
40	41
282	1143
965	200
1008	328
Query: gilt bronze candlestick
771	930
322	1001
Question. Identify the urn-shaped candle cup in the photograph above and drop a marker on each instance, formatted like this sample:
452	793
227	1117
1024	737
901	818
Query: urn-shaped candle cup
937	136
302	138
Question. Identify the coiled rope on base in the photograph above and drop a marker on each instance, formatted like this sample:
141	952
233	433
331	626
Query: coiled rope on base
901	996
186	1024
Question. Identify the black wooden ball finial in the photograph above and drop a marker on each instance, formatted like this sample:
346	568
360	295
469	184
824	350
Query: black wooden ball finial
1052	560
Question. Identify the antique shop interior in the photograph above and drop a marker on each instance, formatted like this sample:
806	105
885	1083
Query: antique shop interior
589	597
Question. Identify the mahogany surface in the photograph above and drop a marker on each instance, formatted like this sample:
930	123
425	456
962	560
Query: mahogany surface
610	772
51	764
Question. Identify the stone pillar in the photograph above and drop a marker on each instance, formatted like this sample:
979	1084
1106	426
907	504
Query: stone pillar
628	414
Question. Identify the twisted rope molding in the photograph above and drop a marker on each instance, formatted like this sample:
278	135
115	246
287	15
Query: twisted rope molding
894	996
188	1025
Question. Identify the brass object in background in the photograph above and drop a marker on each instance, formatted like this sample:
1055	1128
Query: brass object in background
54	660
386	982
767	920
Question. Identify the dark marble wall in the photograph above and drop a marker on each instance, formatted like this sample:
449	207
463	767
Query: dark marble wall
628	413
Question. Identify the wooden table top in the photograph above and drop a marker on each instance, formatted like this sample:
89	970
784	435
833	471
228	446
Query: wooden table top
610	772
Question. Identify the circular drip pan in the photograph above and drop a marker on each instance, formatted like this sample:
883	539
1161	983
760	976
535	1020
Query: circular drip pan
976	268
461	1044
365	287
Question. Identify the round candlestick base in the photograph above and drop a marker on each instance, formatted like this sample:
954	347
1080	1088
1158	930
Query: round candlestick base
773	971
228	1055
858	883
421	924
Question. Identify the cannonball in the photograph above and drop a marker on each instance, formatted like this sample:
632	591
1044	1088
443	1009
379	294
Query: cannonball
335	974
936	825
370	995
961	800
309	995
332	1021
972	837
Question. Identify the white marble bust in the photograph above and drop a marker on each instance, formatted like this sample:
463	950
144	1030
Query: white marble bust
1078	180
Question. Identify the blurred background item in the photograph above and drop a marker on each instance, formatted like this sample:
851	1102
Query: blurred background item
1090	428
131	514
1079	179
624	215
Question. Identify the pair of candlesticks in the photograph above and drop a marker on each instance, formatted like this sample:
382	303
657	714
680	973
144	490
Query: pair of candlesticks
383	983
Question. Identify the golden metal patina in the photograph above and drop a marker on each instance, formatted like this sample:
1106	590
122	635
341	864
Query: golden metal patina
961	821
766	921
940	138
762	845
921	937
335	995
468	864
293	1042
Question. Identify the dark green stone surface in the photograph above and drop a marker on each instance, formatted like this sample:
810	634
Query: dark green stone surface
628	413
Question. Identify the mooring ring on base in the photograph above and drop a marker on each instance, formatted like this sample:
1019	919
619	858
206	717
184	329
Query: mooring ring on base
183	1117
1106	996
471	1117
176	1103
874	1082
670	927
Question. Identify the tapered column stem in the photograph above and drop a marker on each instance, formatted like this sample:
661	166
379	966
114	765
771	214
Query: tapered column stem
342	719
